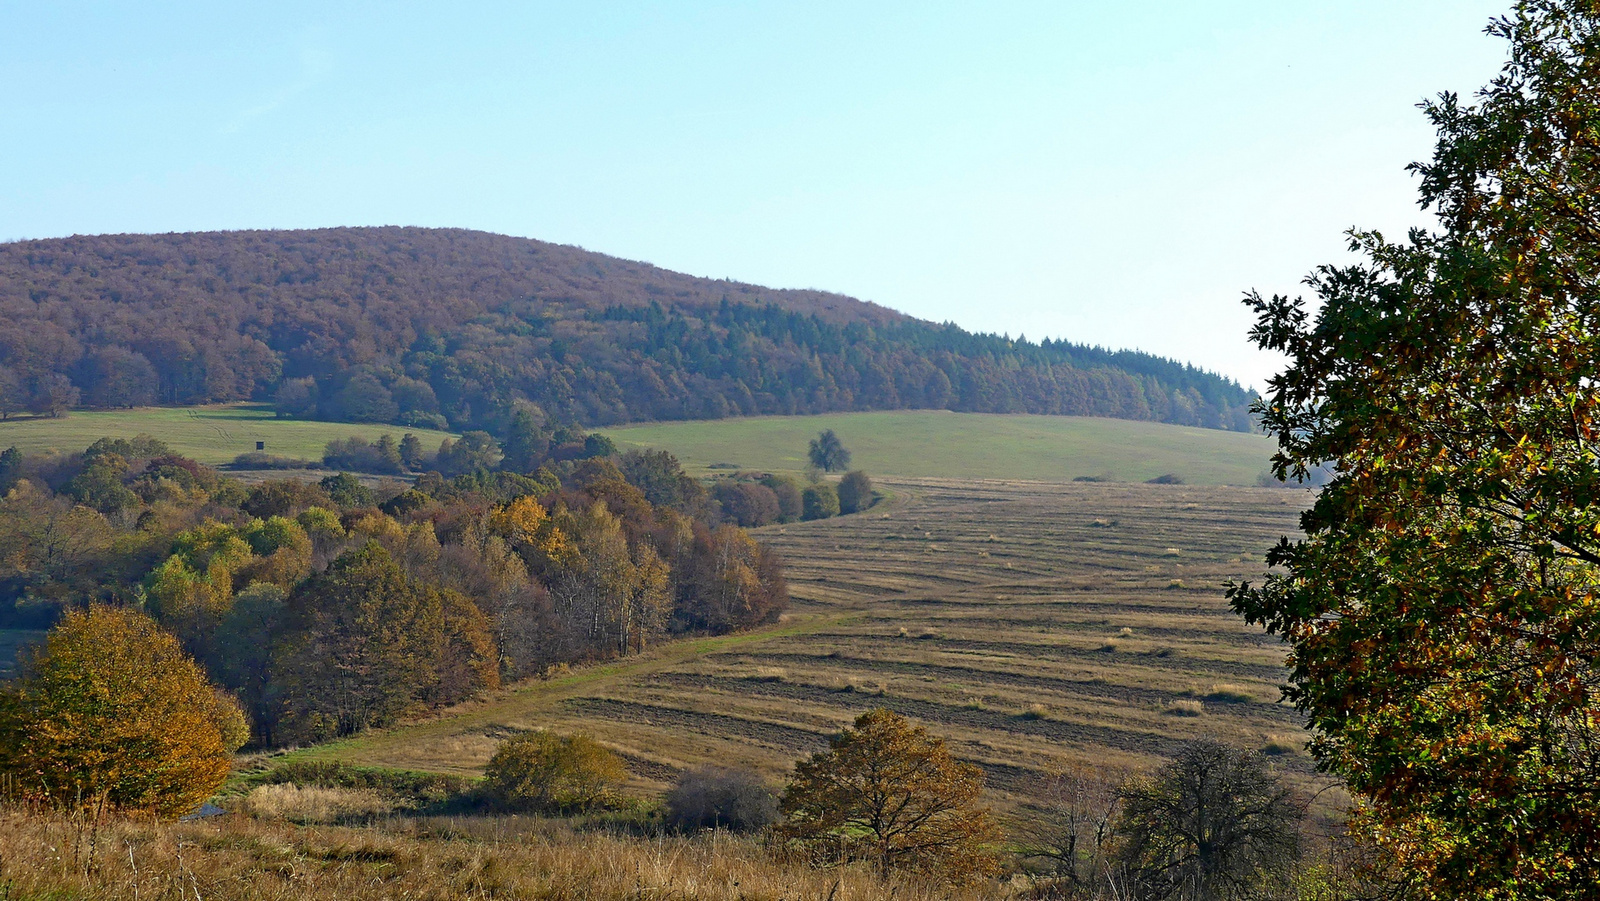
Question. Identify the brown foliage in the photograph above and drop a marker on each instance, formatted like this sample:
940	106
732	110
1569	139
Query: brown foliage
428	325
889	792
111	713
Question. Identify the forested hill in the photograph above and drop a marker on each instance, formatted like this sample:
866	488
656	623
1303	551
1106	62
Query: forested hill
448	327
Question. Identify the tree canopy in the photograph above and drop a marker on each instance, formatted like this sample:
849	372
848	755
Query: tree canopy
827	452
1214	823
111	711
452	328
888	792
1443	609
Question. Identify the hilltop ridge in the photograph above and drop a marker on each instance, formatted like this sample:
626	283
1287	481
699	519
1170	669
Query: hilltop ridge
451	328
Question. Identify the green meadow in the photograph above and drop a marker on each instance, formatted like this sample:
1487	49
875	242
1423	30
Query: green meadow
210	434
942	444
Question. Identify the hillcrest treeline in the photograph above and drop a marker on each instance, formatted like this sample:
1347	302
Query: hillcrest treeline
457	329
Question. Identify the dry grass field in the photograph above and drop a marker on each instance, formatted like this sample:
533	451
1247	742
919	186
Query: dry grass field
1031	624
261	855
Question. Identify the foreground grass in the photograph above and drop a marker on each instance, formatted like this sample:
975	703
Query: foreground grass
211	434
239	856
942	444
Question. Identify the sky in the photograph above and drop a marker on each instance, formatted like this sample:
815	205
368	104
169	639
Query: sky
1107	173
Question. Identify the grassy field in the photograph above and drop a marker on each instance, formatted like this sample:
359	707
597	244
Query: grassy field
1031	624
942	444
213	434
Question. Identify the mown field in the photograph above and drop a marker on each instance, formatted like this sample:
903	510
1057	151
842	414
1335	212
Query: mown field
1031	624
212	434
942	444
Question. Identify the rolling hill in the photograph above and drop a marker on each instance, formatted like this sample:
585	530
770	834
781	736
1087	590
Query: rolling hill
455	329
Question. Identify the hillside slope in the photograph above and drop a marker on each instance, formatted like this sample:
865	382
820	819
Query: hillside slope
456	329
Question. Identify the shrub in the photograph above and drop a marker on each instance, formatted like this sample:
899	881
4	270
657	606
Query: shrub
746	503
264	460
1169	478
110	712
819	502
855	492
358	454
553	773
718	798
790	505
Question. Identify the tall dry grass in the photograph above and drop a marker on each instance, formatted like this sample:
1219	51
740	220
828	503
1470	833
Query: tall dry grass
307	804
240	857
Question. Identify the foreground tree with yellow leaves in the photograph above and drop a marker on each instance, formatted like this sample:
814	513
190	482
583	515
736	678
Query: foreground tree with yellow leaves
111	713
889	792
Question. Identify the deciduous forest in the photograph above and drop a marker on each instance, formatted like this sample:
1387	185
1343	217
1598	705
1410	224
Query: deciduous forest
328	608
454	328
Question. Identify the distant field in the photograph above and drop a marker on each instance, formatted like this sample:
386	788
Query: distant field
212	434
942	444
1030	624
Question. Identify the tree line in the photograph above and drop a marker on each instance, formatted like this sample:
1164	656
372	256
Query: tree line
331	607
453	329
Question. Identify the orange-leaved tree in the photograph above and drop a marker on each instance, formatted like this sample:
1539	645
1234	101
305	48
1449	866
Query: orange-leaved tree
887	791
111	713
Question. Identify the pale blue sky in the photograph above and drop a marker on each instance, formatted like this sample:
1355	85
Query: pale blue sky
1115	173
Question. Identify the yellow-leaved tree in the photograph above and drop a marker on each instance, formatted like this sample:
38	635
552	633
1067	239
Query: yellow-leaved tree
888	792
111	713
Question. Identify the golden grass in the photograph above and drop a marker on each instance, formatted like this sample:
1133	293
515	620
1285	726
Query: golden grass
236	857
313	803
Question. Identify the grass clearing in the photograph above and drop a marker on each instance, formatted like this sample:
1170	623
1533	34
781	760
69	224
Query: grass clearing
943	444
211	434
993	640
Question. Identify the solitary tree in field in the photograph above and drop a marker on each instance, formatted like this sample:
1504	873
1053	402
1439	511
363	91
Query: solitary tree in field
1443	609
828	453
111	713
888	792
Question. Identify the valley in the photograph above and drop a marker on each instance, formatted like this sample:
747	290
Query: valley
1032	624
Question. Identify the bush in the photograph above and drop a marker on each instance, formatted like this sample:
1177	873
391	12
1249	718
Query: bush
552	773
787	491
746	503
855	492
357	454
110	711
718	798
819	502
264	460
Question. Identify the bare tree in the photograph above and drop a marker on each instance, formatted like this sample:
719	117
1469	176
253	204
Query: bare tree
1214	823
1072	833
